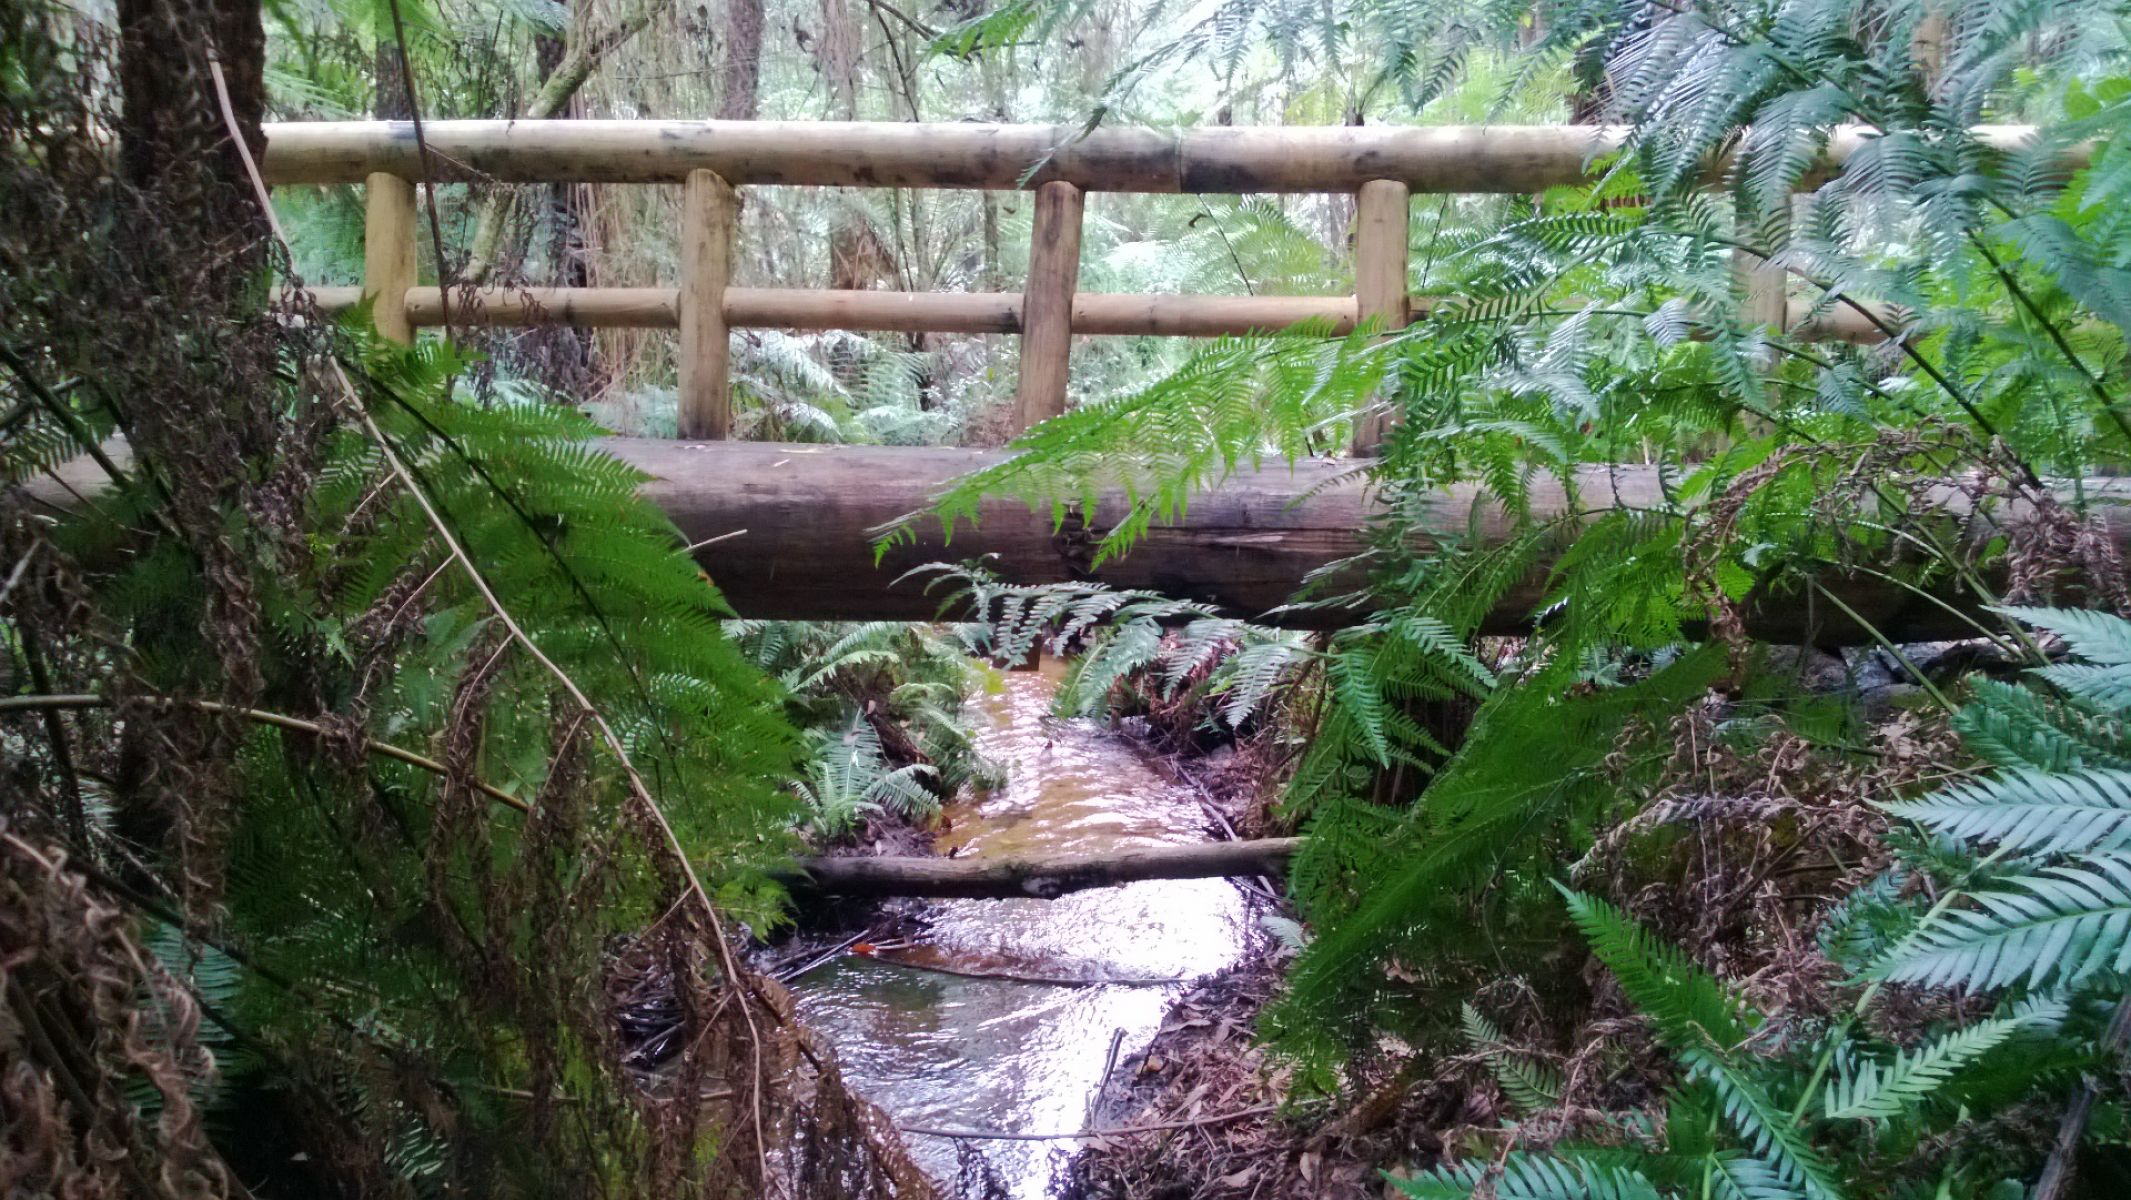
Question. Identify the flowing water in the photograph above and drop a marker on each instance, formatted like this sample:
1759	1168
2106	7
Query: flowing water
937	1049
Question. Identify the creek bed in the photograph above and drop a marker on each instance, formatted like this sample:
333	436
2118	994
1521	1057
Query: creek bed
938	1049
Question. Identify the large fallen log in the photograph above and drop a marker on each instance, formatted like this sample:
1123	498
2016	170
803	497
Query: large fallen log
1045	877
796	524
787	531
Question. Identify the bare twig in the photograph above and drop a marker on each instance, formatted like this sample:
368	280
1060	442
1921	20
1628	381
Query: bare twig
50	704
22	567
2071	1130
421	147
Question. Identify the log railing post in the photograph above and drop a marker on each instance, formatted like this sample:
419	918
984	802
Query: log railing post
1764	298
1047	305
708	214
1380	249
388	252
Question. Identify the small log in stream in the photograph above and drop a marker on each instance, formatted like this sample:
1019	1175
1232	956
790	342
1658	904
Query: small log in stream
1045	877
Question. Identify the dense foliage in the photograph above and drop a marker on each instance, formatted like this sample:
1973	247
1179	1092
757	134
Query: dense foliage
383	779
384	793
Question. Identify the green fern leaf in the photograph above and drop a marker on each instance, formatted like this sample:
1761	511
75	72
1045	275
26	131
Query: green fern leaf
1530	1177
2056	928
1873	1090
1690	1007
2032	811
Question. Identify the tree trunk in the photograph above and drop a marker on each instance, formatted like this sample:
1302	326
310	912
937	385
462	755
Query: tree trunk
393	103
171	112
558	88
1045	877
740	96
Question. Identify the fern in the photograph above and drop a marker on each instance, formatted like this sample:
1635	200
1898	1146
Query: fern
1530	1177
1874	1090
2064	914
2033	811
1532	1085
1690	1008
2056	928
848	778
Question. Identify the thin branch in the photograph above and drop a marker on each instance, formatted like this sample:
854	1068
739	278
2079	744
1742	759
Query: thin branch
55	731
912	23
64	415
64	702
2064	347
22	567
421	147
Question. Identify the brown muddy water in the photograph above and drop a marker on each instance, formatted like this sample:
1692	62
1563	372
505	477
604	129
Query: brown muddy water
937	1049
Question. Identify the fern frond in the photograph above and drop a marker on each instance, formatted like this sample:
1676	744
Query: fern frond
1690	1007
1871	1089
2051	929
1530	1177
1532	1085
2032	810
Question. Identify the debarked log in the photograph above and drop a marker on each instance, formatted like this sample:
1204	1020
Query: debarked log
789	532
1226	159
1045	877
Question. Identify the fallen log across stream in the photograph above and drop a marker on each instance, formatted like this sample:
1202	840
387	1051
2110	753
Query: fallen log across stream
787	533
1045	877
795	526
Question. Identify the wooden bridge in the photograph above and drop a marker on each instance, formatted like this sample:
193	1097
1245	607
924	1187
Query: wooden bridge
806	510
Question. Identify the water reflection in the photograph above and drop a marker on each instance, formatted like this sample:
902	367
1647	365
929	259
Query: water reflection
939	1049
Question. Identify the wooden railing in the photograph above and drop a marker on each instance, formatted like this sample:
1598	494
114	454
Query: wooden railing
1382	167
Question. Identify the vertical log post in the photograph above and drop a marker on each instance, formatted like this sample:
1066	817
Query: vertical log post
1763	291
1380	250
708	213
1047	305
388	252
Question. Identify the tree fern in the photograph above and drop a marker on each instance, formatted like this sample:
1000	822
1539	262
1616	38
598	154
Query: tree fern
2033	811
1530	1177
848	778
2057	928
2064	914
2018	727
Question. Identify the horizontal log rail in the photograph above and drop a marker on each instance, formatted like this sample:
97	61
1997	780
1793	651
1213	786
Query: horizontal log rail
938	312
1238	159
1045	877
786	531
1380	166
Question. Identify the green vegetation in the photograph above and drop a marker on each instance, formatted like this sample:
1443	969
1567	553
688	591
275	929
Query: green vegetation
374	759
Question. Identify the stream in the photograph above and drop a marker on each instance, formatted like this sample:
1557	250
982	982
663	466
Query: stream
943	1050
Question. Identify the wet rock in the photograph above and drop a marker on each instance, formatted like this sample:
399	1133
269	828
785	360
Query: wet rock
1812	668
